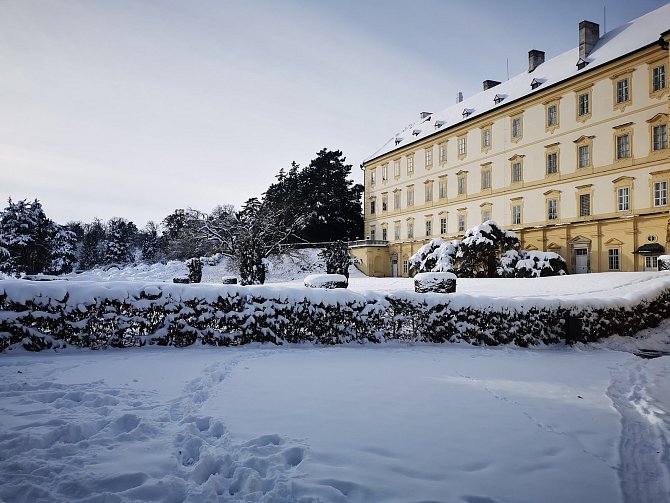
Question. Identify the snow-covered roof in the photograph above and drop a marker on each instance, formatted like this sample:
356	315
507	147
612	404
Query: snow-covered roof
621	41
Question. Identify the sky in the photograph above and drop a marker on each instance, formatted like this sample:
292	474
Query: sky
133	108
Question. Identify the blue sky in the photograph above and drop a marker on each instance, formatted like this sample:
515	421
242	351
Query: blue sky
135	108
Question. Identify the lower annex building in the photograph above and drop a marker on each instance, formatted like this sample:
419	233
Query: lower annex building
571	155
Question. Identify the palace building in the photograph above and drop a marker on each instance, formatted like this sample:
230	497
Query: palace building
572	155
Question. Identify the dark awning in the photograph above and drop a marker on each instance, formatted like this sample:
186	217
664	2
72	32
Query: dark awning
650	249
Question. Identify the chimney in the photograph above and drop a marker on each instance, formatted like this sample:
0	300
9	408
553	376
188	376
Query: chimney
535	59
589	33
488	84
459	97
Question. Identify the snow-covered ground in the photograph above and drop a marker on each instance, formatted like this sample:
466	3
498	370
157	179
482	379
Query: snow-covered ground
395	422
359	423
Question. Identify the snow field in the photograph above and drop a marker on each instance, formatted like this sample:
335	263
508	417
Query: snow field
394	423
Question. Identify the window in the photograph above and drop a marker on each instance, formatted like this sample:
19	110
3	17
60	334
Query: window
429	157
429	227
410	230
385	202
486	178
462	146
410	164
443	187
384	234
583	106
659	137
373	177
410	195
461	222
486	137
385	172
552	163
552	209
486	214
613	259
623	198
584	156
584	205
517	172
552	116
443	152
428	189
516	214
661	193
396	168
517	128
443	225
622	93
372	207
462	185
405	266
373	232
623	146
396	199
658	78
396	231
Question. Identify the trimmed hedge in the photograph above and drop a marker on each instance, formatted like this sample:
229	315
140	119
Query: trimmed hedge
39	315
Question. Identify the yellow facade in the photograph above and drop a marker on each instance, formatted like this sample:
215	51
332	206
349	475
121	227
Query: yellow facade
580	167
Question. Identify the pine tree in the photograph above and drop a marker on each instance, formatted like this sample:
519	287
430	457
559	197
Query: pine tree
151	250
63	246
24	232
119	242
91	252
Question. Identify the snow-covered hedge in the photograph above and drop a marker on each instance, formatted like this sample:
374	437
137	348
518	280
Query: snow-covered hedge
39	315
437	282
326	281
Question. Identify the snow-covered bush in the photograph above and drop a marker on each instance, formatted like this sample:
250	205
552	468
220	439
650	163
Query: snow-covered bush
39	315
336	257
229	280
326	281
664	263
436	282
194	270
435	256
486	252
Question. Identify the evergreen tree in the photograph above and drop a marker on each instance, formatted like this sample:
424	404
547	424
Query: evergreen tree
151	249
336	256
91	251
63	246
482	248
332	201
119	243
25	232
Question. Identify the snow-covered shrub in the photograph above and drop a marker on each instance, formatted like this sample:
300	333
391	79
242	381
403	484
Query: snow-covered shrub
194	270
664	263
336	257
435	256
482	248
535	264
39	315
436	282
326	281
229	280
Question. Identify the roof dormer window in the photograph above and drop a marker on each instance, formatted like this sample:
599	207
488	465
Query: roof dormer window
535	83
498	98
467	112
398	139
581	63
416	132
439	124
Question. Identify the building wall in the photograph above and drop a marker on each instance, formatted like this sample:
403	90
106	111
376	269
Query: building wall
600	179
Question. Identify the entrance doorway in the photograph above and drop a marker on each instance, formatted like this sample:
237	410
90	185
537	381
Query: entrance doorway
581	261
394	265
650	263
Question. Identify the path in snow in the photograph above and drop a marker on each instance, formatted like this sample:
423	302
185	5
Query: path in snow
71	441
